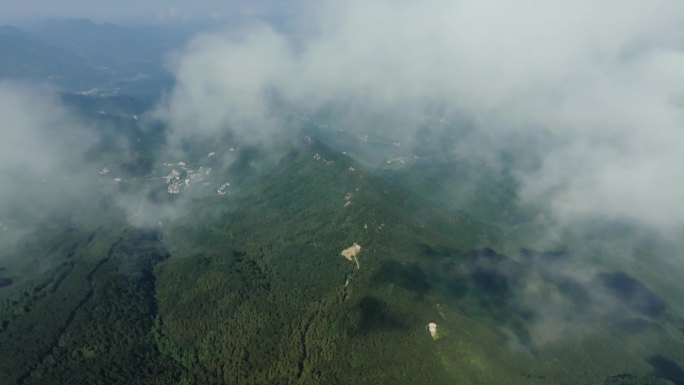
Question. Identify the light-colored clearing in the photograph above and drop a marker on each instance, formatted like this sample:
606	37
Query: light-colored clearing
351	252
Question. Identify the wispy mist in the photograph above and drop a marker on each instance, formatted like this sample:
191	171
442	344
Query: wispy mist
602	80
42	149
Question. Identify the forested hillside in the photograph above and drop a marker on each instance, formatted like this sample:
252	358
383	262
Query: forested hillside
251	288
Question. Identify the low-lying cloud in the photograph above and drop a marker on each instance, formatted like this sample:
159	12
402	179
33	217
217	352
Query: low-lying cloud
602	79
42	149
43	154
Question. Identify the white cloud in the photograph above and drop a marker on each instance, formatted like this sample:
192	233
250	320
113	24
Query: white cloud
42	157
603	78
40	137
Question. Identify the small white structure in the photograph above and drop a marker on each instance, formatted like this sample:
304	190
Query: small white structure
211	154
348	199
432	328
222	190
174	175
174	186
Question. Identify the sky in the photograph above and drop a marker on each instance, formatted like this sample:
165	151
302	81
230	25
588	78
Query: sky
139	11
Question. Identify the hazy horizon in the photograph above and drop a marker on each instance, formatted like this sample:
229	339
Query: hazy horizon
147	12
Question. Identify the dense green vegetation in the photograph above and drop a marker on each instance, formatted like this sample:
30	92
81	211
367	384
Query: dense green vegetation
408	267
280	310
250	287
89	318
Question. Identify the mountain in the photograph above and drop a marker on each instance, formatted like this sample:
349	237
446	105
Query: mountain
108	43
248	285
80	56
25	56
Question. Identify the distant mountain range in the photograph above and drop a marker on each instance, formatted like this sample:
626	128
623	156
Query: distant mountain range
82	56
